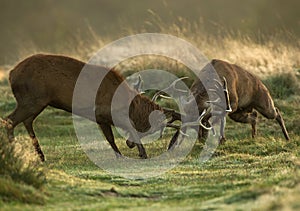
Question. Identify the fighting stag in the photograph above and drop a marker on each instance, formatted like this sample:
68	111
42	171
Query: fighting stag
171	90
247	95
216	108
49	80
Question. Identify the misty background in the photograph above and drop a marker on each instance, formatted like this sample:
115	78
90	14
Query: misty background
47	25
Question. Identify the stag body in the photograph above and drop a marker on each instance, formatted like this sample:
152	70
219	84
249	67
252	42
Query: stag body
49	80
247	95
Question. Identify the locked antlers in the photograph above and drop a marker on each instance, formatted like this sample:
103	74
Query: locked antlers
170	89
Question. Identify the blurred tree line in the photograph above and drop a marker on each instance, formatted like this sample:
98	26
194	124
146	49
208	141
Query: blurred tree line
51	23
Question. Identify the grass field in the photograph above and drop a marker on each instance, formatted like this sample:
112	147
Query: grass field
243	174
262	174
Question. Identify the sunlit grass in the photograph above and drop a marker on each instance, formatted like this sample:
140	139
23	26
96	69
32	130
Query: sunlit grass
244	173
22	175
263	55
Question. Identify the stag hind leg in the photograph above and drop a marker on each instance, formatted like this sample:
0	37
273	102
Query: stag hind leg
246	116
270	112
20	114
28	125
274	113
280	120
16	117
25	114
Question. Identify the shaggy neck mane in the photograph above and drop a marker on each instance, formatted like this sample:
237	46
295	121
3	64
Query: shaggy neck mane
139	111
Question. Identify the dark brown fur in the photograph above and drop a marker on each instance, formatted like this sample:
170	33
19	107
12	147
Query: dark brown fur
49	80
246	93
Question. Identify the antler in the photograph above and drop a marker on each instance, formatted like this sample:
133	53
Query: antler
218	101
170	88
138	85
183	127
225	89
198	121
188	124
177	127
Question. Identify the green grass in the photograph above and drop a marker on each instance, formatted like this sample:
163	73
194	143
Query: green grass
283	86
21	175
262	174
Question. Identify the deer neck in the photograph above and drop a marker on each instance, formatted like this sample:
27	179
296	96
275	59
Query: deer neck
139	111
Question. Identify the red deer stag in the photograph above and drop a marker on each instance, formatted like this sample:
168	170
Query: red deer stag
216	108
49	80
247	94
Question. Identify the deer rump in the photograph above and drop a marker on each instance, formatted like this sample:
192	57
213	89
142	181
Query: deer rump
247	95
49	80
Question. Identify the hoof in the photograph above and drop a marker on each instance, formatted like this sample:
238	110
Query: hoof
144	156
130	144
118	155
42	157
222	140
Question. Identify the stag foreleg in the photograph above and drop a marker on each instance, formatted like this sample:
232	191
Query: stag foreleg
107	131
202	132
222	138
174	140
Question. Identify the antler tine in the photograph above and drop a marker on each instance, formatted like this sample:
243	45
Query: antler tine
217	103
164	96
218	91
220	94
199	120
171	87
214	101
218	84
137	85
225	89
156	95
177	128
225	83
